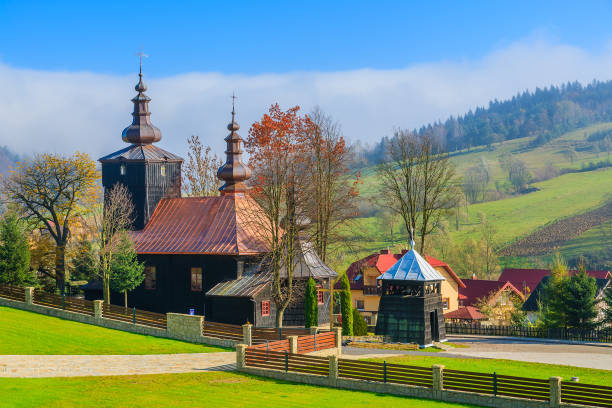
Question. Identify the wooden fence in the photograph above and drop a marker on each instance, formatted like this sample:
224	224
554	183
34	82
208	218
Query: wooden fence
222	331
603	335
133	315
283	360
454	380
276	346
316	342
386	373
12	292
585	394
65	303
263	335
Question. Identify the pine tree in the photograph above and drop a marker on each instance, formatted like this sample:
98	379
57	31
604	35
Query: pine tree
579	299
14	252
311	307
554	311
360	326
126	271
345	307
607	298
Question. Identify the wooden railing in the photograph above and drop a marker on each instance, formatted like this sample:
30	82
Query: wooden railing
62	302
222	331
278	346
12	292
494	384
603	335
383	372
283	360
316	342
372	290
262	335
134	315
586	394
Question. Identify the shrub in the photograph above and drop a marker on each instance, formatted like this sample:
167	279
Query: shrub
360	326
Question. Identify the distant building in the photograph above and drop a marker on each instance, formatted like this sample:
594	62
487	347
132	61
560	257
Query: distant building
366	290
465	315
499	298
411	307
526	280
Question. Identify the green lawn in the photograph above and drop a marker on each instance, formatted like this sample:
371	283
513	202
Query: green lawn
24	332
211	389
508	367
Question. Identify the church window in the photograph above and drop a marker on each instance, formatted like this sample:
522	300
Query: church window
122	169
150	278
196	279
265	308
320	298
163	170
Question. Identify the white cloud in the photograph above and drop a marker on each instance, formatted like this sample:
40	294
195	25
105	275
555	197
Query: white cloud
64	112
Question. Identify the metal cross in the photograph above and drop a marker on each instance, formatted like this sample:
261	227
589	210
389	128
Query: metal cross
233	100
141	55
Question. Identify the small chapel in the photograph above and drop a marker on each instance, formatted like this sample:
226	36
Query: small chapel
200	253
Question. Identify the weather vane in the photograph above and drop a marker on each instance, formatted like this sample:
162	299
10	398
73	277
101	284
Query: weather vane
140	56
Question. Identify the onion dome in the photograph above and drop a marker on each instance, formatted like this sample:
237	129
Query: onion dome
141	131
233	172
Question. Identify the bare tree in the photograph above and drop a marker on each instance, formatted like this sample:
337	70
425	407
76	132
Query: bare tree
334	189
200	171
113	218
52	192
417	181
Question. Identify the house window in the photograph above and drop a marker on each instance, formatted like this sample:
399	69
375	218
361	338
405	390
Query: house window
150	278
503	298
445	303
359	304
163	170
320	299
196	279
122	169
265	308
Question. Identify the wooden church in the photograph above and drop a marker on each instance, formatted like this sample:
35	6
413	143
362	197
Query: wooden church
200	253
411	307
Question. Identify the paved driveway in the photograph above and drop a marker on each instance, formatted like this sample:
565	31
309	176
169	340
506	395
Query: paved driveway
75	366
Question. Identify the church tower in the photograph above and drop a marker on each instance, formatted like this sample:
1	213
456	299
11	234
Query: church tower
149	173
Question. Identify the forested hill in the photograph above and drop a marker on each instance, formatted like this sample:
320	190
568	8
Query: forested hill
545	113
7	159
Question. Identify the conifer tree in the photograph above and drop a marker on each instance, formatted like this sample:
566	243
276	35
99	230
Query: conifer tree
311	307
345	307
14	251
607	298
579	299
360	326
127	272
553	312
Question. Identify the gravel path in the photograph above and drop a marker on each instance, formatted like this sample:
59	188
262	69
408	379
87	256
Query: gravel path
82	365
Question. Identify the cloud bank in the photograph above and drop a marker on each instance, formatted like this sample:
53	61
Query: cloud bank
64	111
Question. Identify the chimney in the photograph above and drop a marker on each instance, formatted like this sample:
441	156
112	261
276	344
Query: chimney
474	276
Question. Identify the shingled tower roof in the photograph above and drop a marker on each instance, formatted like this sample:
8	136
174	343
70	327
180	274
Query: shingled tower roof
234	172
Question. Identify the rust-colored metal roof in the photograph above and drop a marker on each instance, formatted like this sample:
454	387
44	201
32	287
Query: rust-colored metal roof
465	313
147	152
247	286
224	225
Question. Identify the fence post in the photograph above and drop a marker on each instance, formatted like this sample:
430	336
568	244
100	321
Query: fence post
313	330
29	295
315	341
333	370
247	334
134	314
555	391
241	356
438	380
63	300
293	344
338	335
385	371
494	383
286	362
98	305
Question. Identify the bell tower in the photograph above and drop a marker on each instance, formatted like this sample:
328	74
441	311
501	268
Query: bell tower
149	172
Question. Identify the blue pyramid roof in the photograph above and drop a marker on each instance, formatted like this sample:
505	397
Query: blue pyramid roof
412	267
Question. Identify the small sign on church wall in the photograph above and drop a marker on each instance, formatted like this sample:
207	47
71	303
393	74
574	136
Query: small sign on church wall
191	312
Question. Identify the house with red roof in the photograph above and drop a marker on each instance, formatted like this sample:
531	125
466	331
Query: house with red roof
365	292
465	315
526	280
498	295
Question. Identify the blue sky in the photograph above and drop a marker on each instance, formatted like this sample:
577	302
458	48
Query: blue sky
254	37
67	68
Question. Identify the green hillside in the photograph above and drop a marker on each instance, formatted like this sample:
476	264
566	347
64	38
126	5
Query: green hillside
514	216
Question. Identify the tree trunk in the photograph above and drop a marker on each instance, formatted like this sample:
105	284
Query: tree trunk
106	289
279	317
125	297
60	267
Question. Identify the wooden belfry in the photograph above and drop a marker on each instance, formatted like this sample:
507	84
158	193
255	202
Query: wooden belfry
411	309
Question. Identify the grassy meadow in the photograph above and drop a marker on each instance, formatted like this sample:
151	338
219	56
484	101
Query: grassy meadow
212	389
29	333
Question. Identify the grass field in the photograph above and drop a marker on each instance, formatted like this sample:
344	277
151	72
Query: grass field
24	332
508	367
189	390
